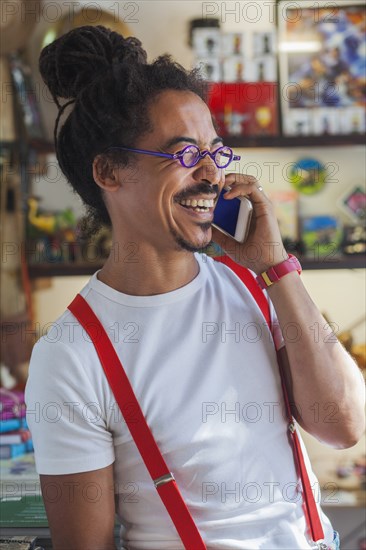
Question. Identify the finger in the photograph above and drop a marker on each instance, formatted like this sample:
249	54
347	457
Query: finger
252	190
234	178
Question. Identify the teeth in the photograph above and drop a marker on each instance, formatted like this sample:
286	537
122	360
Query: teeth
205	203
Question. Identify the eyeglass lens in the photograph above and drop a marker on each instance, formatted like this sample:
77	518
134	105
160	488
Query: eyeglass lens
222	158
190	156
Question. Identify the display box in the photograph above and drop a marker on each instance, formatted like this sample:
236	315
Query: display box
264	43
353	203
234	43
322	236
322	63
286	209
298	122
206	42
325	121
236	68
352	120
245	108
264	69
210	68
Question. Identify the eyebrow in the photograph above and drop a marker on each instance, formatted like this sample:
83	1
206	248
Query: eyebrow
180	139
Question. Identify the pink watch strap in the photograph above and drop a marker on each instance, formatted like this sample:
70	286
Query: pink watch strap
275	273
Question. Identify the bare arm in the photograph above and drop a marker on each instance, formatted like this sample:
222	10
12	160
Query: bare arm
80	509
324	382
326	385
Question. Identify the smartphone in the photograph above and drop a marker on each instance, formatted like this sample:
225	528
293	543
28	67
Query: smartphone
233	216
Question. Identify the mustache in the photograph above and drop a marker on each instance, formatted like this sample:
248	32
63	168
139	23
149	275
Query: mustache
199	189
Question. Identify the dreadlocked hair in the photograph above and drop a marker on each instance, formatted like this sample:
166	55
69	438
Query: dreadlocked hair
108	81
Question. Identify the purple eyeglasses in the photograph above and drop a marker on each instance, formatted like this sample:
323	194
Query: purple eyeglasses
191	155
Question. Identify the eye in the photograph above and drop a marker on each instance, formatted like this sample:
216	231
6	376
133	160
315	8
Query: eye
223	156
190	155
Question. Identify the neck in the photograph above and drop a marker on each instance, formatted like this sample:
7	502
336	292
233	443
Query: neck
143	271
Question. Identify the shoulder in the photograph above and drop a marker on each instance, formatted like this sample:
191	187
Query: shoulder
237	285
214	266
227	272
63	337
64	358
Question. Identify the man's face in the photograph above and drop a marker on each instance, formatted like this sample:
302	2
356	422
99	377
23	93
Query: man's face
155	208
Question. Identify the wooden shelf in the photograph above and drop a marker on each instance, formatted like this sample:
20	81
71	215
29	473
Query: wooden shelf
42	146
46	147
258	141
294	141
60	269
68	270
336	262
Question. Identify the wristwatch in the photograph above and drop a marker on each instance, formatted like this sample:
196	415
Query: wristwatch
275	273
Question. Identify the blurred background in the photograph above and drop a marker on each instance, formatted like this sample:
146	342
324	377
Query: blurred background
288	91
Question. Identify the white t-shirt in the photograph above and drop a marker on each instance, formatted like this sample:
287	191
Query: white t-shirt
203	367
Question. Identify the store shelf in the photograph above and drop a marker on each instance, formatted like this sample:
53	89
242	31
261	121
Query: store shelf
335	262
61	269
42	146
68	270
280	141
294	141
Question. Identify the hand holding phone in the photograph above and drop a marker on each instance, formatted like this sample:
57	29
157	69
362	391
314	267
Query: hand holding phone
232	217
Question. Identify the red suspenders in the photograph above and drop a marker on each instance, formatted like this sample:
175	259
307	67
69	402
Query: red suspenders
135	420
309	506
163	479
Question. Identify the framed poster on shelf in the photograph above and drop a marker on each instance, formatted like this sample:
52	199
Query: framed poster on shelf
322	64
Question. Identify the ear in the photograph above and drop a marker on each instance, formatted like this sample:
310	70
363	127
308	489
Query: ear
106	174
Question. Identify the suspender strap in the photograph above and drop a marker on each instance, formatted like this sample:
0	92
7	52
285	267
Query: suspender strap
145	442
310	509
140	431
309	506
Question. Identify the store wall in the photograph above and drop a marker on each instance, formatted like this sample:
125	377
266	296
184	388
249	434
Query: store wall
163	27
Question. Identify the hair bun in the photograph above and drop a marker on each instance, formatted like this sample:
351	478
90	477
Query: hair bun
74	60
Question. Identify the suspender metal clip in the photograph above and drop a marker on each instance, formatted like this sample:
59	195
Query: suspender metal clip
292	427
163	479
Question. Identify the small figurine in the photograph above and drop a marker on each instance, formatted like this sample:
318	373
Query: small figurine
49	223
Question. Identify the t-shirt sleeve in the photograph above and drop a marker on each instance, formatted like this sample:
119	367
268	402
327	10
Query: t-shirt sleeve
65	416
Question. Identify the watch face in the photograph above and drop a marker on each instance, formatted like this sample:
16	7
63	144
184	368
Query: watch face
308	176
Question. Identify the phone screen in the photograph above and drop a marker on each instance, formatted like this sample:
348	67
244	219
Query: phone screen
226	214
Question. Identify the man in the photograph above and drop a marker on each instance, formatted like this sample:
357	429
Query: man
155	305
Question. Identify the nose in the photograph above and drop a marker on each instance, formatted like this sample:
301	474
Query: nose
206	170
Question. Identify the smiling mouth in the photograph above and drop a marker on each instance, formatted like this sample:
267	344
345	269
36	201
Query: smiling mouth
198	205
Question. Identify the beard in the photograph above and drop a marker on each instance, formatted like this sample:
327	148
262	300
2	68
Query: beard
184	244
189	246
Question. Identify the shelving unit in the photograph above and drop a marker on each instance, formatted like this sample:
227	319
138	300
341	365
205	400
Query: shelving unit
295	141
60	269
45	147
